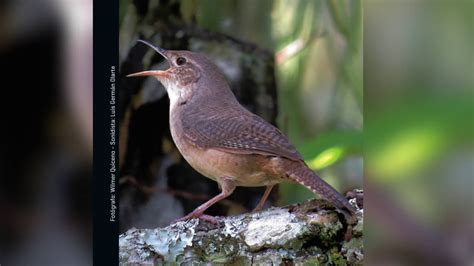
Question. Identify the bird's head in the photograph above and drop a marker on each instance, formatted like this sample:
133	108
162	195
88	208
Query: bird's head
187	71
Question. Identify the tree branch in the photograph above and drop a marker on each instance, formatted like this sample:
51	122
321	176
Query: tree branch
311	232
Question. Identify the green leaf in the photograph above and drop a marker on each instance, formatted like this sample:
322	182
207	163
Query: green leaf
329	148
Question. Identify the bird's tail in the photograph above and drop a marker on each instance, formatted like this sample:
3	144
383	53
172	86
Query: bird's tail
302	174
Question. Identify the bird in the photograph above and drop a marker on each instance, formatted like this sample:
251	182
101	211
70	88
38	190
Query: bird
224	141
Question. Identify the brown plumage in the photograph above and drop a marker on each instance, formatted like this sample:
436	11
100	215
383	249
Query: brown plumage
224	141
302	174
235	130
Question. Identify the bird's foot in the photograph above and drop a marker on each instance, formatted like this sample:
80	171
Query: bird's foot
201	216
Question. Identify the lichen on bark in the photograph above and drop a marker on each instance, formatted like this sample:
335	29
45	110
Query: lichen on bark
310	233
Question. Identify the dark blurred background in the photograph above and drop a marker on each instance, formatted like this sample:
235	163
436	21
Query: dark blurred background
418	65
46	139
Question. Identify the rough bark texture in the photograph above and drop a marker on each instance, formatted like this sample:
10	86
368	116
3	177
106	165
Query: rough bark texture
311	233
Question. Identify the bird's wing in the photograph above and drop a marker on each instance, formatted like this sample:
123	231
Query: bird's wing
237	132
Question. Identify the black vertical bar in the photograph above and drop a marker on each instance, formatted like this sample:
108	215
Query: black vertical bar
105	58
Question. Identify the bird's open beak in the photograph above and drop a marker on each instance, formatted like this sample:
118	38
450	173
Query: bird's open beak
158	49
155	73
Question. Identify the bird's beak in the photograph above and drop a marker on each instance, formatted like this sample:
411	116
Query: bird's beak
156	73
160	50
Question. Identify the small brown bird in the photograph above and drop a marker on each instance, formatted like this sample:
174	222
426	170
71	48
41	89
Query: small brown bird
222	140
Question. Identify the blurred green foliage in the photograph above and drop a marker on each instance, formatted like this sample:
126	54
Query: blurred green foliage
328	148
418	133
420	101
428	132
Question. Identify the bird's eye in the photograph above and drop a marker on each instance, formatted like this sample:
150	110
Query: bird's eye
180	61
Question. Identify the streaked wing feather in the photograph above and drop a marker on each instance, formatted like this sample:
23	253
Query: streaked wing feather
238	132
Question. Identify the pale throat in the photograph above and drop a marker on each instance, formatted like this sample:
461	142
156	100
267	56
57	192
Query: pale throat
177	94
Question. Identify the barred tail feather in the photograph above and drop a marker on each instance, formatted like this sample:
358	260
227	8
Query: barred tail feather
302	174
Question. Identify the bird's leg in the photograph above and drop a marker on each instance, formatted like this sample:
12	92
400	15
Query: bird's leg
263	199
227	187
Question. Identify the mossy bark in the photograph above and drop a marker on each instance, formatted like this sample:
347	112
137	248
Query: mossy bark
311	233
